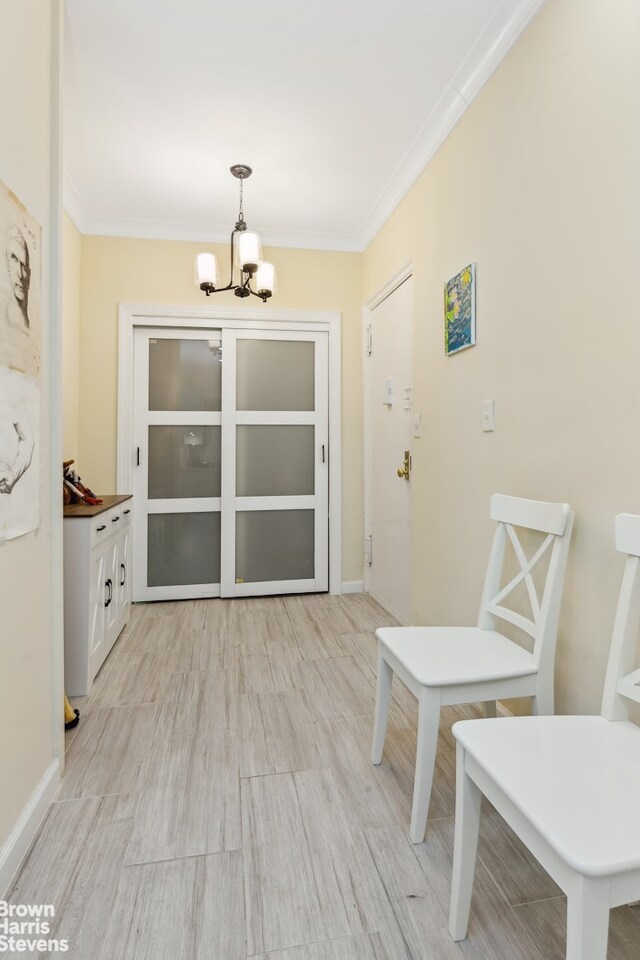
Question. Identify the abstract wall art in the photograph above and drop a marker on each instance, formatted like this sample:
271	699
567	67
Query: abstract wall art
460	311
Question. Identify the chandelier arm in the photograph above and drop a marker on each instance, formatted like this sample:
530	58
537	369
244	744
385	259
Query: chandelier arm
260	296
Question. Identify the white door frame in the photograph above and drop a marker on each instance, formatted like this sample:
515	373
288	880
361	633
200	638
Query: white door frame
403	274
132	315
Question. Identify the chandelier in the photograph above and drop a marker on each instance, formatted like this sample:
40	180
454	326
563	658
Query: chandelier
245	254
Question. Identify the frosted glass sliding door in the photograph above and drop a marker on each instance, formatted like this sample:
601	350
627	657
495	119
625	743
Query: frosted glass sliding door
177	463
230	462
275	463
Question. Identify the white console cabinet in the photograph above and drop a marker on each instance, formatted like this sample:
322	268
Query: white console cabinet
97	586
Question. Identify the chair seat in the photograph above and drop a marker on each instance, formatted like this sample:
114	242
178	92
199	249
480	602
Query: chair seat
575	779
442	656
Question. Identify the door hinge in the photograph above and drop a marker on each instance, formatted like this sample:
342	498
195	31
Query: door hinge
368	550
369	341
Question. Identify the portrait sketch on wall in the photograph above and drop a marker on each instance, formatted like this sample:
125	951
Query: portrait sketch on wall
20	276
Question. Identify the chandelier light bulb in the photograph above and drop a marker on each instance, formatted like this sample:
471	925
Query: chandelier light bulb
266	279
206	270
249	254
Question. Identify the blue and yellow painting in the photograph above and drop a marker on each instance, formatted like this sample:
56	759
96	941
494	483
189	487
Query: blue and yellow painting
460	310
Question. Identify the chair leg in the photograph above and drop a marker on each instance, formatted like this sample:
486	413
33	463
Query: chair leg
542	703
467	825
428	723
588	920
383	697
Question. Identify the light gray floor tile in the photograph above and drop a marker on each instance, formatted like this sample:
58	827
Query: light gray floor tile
187	909
190	802
136	679
199	703
74	865
276	734
336	687
307	876
110	753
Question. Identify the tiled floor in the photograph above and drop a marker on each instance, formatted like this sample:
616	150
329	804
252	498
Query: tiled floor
219	803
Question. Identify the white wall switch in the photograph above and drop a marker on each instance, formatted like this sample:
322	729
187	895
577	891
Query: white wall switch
417	425
389	392
488	415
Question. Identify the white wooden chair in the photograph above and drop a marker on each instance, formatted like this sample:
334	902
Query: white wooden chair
568	786
446	665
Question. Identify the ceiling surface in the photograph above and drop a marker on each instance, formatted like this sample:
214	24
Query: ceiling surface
336	106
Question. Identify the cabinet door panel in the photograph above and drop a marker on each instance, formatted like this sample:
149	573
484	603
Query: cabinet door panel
97	599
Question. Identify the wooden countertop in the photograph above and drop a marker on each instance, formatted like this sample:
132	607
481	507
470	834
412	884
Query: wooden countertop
84	510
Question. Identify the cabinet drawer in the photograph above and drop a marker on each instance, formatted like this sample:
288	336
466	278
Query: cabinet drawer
109	523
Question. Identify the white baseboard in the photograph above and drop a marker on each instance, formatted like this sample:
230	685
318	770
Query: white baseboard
17	844
353	586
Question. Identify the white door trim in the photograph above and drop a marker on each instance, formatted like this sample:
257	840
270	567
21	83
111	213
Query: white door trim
386	290
133	315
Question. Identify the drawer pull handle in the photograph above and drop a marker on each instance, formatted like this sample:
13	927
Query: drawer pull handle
126	512
114	519
103	527
124	574
109	586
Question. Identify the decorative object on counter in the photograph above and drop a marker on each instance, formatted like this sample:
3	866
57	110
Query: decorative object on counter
245	253
460	311
73	489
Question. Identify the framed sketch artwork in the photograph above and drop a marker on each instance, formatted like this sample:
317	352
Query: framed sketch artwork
460	311
20	261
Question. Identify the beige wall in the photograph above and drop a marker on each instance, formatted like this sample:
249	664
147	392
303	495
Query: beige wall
118	271
27	603
71	284
539	185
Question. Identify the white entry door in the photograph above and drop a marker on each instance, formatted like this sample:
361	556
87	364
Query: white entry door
390	438
230	454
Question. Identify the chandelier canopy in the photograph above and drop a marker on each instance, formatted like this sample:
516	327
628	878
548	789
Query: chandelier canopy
245	254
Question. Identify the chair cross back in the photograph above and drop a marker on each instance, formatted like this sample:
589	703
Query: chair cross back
554	520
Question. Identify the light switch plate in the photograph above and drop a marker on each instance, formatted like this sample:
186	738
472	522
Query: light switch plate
417	426
488	415
389	392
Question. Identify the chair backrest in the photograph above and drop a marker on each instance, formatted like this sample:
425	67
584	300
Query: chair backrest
622	680
555	521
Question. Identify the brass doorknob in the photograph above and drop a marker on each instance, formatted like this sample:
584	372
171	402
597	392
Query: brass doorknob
405	470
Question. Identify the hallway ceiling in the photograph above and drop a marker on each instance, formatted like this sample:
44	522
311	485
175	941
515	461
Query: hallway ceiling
337	107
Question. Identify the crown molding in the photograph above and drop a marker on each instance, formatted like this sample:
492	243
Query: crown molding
485	55
192	232
74	204
487	52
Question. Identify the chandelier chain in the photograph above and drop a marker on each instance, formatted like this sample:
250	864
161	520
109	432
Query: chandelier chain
240	212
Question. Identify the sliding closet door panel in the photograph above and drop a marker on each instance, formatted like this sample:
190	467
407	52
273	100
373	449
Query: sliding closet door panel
275	460
183	548
274	545
178	463
184	461
275	375
184	374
